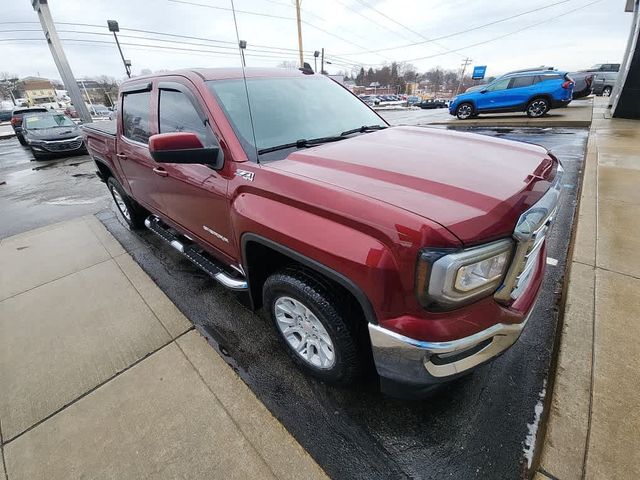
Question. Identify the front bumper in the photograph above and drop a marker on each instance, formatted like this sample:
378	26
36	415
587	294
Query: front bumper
413	363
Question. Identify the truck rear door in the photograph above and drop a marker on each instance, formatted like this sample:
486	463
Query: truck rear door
137	123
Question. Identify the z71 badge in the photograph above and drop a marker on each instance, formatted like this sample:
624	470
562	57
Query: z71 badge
245	174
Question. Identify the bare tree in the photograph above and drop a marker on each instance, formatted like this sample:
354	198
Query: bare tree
8	85
288	64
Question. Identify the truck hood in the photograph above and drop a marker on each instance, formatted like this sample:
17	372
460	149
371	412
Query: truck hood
473	185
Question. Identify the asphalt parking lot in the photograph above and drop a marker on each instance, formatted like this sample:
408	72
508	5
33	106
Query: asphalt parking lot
479	427
35	193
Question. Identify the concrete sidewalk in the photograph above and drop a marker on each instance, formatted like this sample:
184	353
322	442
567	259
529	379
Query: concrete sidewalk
594	424
102	377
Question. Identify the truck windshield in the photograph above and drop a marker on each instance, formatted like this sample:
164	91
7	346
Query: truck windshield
36	122
287	110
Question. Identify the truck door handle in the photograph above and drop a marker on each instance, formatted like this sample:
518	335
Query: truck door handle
160	171
121	156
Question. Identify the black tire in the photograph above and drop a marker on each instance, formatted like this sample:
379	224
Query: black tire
21	139
606	91
538	107
464	111
132	213
331	309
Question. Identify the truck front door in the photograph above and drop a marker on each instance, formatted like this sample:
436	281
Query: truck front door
194	196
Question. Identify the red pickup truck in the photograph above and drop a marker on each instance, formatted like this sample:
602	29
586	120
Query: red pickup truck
419	249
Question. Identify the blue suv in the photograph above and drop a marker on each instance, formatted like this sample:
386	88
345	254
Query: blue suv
533	92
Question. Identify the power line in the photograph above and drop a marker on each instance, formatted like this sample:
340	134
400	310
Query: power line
280	17
547	20
147	46
191	37
462	32
368	19
147	38
366	5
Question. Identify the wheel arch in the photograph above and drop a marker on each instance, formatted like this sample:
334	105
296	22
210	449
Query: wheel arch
253	245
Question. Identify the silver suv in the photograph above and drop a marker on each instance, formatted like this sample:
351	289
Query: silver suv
605	78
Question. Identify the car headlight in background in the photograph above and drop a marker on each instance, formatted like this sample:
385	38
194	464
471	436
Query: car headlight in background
447	279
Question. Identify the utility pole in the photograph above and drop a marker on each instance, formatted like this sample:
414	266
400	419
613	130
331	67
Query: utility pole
44	15
322	62
465	64
299	32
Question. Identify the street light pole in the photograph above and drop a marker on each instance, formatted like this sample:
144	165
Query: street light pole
57	52
322	62
113	27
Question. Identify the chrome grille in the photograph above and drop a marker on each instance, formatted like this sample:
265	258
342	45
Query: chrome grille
61	146
530	233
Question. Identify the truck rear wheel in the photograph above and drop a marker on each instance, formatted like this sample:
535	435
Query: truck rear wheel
131	212
312	323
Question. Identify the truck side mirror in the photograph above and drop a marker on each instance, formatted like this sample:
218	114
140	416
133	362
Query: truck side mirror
184	148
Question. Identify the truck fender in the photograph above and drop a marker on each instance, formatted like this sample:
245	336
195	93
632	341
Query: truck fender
360	263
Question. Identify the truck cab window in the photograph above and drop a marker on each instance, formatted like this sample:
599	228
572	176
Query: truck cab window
135	116
177	114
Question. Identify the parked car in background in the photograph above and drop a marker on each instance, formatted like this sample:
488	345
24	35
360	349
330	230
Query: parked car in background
583	84
532	92
603	83
349	233
99	111
432	103
114	112
49	134
604	67
413	100
16	120
71	111
5	115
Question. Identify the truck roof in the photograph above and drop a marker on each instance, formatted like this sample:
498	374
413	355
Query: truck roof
224	73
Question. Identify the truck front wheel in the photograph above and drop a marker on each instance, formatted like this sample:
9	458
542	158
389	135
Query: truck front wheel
312	322
131	212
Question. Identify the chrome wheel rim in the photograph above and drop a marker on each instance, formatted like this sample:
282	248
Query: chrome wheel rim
538	108
120	203
304	333
464	111
606	92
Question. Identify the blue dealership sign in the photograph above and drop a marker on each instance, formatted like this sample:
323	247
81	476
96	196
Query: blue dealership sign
478	72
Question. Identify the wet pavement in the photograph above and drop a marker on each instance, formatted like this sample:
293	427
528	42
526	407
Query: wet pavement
35	193
482	426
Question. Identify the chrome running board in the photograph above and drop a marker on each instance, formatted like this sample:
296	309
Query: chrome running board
194	253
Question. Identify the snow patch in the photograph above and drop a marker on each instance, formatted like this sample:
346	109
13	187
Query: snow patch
530	440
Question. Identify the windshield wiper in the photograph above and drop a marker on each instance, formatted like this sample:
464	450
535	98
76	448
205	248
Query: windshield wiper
302	143
363	129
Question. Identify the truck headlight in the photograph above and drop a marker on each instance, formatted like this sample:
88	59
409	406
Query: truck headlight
447	279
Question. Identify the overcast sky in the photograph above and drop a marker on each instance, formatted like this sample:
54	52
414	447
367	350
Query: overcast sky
349	29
